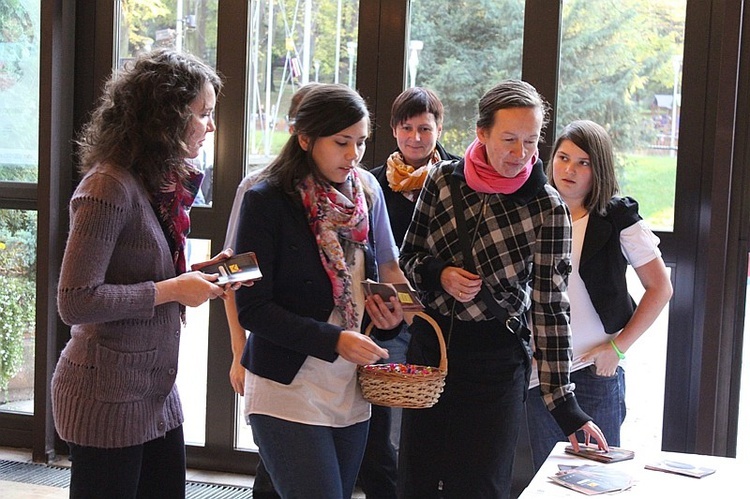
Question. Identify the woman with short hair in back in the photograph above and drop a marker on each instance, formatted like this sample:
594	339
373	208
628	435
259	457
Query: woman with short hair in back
416	123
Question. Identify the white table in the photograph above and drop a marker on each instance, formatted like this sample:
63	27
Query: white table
730	479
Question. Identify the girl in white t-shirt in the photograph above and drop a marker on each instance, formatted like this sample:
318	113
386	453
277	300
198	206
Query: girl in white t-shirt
608	235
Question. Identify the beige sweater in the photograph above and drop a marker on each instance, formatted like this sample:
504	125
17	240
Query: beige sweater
114	382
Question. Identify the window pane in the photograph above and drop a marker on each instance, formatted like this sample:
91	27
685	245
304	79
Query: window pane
291	44
19	90
645	372
192	374
621	66
18	230
743	432
459	50
185	25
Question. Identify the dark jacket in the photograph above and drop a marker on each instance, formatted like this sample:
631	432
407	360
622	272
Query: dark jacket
603	265
288	309
400	209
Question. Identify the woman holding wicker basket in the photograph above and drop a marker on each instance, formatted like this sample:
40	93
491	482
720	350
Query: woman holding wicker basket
318	224
489	248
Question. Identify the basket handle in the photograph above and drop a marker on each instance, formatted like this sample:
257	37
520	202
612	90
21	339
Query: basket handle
443	353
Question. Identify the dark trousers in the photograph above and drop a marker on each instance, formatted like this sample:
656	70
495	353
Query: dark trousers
377	475
262	484
153	469
464	445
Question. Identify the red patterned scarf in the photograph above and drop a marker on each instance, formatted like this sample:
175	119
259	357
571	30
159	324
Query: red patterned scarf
338	218
172	204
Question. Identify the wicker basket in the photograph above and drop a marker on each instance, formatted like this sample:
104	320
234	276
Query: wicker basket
405	385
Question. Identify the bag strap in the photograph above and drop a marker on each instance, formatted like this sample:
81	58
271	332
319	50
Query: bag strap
513	323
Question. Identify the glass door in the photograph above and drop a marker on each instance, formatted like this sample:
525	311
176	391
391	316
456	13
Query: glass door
190	26
631	84
19	165
291	43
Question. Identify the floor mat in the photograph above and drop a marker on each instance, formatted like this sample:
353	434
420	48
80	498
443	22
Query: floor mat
59	476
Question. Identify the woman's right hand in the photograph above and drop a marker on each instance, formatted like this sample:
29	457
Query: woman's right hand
359	348
190	289
460	284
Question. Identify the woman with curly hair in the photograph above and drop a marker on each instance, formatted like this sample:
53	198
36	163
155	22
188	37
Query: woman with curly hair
124	286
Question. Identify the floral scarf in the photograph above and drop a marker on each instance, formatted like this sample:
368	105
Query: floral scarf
338	218
482	177
172	204
404	178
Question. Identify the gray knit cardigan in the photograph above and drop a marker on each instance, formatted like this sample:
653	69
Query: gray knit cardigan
114	382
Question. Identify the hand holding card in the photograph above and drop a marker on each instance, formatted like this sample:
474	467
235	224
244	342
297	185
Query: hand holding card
238	268
407	296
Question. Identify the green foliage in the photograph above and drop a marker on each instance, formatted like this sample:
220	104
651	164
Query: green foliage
17	301
139	18
651	180
18	243
18	173
15	22
17	287
490	51
615	55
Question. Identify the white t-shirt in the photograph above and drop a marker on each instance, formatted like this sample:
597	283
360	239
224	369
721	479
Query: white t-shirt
322	393
639	246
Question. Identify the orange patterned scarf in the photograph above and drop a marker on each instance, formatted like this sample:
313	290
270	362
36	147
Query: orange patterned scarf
404	178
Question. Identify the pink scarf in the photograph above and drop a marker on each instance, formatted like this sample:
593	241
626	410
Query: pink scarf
337	216
482	177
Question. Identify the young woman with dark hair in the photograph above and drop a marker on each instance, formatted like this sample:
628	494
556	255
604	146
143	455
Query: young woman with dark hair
318	224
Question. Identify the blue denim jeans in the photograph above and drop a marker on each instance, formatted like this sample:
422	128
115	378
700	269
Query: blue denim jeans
306	461
602	398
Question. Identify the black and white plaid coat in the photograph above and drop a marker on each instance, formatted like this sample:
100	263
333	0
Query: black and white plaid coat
522	252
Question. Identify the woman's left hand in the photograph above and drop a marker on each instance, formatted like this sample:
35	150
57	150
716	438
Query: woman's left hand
590	430
382	316
604	358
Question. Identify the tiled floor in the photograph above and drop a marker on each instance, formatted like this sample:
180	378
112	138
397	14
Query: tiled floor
17	490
